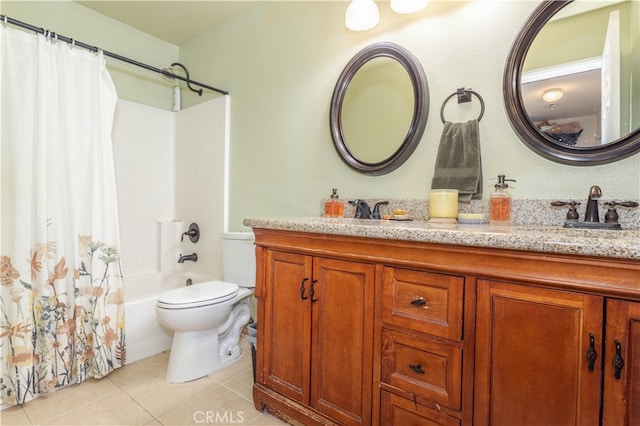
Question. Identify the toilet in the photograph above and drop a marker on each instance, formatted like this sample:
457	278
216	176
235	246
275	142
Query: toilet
207	318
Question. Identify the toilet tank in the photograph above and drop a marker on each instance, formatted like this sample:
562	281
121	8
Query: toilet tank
239	258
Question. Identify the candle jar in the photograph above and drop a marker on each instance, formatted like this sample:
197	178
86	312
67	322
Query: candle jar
443	204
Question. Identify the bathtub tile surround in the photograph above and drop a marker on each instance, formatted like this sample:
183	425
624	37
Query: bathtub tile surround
525	211
169	173
136	394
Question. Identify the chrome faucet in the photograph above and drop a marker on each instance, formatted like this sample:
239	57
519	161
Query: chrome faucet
192	257
591	215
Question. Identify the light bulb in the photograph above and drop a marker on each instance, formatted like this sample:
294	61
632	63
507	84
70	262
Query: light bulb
362	15
408	6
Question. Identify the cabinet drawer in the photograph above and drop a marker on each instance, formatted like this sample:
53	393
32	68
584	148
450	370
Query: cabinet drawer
423	367
423	301
397	411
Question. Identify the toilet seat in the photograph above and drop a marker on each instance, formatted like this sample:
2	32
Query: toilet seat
198	295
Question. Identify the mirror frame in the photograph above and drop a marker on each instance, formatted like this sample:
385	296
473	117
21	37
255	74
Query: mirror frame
420	110
522	124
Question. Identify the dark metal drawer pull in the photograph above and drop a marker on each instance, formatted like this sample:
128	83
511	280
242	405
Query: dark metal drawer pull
302	296
418	301
417	368
618	362
592	355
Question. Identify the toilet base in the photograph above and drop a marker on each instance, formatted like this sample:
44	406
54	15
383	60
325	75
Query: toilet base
195	354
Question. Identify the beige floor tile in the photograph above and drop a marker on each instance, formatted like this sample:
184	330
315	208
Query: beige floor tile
62	401
14	416
117	409
216	405
241	365
266	420
141	371
159	396
242	384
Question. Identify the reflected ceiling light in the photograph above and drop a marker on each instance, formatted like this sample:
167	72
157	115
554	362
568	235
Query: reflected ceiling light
362	15
408	6
552	95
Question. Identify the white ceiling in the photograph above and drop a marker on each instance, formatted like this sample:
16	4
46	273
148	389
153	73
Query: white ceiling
173	21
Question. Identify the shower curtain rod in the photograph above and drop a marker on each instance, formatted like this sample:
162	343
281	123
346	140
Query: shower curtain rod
5	19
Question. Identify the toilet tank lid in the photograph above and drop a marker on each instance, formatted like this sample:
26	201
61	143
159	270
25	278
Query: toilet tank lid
240	235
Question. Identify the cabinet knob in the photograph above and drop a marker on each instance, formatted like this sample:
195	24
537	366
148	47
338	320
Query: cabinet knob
592	355
418	301
417	368
618	361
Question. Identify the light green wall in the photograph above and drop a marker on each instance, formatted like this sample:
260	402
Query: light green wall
73	20
280	61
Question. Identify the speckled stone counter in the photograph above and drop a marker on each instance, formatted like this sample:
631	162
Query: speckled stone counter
543	238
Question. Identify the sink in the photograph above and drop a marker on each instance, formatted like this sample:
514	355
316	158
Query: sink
576	224
632	234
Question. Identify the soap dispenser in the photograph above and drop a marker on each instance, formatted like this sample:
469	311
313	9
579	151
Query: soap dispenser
500	203
334	207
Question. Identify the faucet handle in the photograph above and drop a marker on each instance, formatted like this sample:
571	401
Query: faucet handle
572	214
612	215
376	209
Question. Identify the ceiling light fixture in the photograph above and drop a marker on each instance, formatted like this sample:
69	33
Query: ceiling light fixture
552	95
408	6
362	15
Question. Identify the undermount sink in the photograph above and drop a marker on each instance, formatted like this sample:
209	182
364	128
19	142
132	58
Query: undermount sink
576	232
576	224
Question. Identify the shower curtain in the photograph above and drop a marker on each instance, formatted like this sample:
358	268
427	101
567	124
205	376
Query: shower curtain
62	308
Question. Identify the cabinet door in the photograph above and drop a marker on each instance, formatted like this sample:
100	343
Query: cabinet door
531	365
287	337
342	307
621	404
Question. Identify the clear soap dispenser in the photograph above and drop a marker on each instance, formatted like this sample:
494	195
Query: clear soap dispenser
334	207
500	203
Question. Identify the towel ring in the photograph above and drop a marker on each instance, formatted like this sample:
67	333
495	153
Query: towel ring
464	95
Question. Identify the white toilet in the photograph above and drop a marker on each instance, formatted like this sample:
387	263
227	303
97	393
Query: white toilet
207	318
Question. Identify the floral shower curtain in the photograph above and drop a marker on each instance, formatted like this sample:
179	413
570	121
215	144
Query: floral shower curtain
62	309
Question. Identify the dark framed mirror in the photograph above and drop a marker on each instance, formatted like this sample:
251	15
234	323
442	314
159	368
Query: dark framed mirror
379	108
572	81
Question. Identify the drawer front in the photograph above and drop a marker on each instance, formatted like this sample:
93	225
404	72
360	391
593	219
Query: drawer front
423	301
397	411
423	367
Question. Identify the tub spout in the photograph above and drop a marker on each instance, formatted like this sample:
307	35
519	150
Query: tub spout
192	257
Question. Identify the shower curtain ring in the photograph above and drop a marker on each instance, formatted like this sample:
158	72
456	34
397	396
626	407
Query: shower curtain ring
4	20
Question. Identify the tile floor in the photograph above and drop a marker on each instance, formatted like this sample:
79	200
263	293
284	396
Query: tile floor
137	394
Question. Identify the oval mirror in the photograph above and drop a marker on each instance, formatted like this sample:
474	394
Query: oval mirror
572	81
379	109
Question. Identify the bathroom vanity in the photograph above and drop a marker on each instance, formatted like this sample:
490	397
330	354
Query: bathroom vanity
396	323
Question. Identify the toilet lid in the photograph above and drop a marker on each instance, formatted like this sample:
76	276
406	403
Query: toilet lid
202	294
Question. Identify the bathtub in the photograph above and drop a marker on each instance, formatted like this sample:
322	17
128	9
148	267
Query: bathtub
145	336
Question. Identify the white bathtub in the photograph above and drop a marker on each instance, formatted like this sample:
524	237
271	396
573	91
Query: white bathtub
145	336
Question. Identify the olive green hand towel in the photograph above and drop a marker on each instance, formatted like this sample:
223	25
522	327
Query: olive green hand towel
458	163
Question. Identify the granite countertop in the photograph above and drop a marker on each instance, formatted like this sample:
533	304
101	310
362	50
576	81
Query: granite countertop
541	238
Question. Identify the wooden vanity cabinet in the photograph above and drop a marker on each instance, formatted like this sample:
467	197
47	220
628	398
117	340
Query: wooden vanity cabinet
414	333
316	352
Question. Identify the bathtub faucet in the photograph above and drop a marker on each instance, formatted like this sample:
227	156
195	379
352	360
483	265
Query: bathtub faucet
192	257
